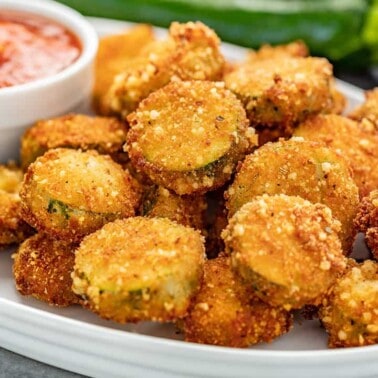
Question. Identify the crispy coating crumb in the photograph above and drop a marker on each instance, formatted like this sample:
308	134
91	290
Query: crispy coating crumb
186	210
302	168
115	54
293	49
350	313
104	134
368	110
286	248
140	269
12	228
338	99
356	142
282	93
42	268
190	52
225	312
189	135
366	220
69	194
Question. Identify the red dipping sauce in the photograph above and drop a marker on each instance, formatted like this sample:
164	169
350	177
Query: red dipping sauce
33	47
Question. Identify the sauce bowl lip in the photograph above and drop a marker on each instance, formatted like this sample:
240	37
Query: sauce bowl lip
67	17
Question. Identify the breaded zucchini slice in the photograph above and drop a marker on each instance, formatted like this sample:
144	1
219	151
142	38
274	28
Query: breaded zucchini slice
282	92
117	52
368	110
286	249
350	312
42	268
226	312
10	178
69	193
78	131
366	220
188	136
293	49
186	210
356	142
299	167
190	52
139	269
12	228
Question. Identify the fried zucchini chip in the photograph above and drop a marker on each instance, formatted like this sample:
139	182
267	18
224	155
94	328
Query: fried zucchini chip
299	167
368	110
69	193
366	220
286	249
278	94
186	210
140	269
116	53
190	52
225	312
42	268
78	131
356	142
12	228
188	136
350	312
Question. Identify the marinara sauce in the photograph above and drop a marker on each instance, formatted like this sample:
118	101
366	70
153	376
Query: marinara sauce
33	47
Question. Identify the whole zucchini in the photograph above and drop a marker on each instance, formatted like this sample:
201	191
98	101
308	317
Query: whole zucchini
331	28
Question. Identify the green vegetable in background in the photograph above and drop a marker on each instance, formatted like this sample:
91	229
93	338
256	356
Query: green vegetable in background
342	30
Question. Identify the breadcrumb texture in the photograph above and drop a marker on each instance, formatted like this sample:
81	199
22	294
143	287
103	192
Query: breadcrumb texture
188	136
368	110
186	210
302	168
350	313
13	229
367	220
356	142
282	93
116	53
78	131
42	268
286	248
140	269
69	194
190	52
226	313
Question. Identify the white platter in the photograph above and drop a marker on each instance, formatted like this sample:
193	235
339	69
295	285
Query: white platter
77	340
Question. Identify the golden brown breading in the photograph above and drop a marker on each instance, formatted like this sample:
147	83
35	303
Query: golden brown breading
186	210
339	101
104	134
366	220
225	312
286	248
356	142
12	228
190	52
368	110
278	94
69	193
116	53
10	178
293	49
140	269
42	268
189	135
350	313
302	168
